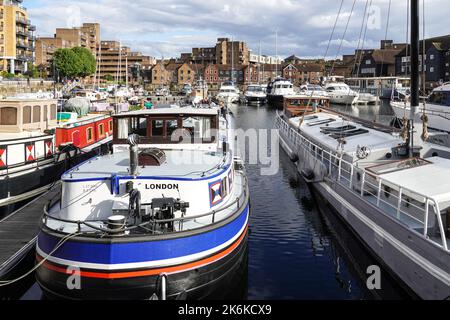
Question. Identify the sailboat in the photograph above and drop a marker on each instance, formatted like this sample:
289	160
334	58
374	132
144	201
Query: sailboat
390	186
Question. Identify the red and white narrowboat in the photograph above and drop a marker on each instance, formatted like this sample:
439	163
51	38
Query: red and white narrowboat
36	148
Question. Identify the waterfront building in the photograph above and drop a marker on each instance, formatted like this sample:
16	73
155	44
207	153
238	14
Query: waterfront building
437	61
17	39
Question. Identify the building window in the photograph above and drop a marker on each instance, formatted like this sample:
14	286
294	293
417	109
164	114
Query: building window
431	69
26	114
431	56
368	62
89	135
36	114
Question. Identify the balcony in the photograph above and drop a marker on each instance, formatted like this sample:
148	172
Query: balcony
22	33
22	57
31	28
21	44
23	21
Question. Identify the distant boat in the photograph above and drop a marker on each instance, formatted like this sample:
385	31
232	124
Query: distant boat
277	90
437	108
38	144
340	93
199	93
255	93
313	90
228	93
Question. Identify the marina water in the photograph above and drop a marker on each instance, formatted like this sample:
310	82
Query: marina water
298	248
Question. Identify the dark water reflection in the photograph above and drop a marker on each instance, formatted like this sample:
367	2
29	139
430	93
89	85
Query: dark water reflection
298	249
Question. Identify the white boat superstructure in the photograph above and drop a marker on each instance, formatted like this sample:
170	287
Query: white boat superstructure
199	92
313	90
340	93
228	93
399	206
277	90
437	109
255	93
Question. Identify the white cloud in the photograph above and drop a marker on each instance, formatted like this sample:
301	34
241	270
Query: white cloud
169	27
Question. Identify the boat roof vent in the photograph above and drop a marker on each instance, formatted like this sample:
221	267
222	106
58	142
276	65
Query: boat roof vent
152	157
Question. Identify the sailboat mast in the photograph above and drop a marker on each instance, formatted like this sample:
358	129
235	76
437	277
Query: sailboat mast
276	53
414	69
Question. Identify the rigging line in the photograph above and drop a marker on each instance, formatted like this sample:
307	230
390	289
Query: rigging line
423	51
360	34
385	37
358	49
334	29
364	41
343	36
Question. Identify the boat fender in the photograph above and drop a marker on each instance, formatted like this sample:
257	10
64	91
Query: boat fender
134	207
294	158
308	174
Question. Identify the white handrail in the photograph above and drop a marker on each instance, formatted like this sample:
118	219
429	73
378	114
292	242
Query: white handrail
308	145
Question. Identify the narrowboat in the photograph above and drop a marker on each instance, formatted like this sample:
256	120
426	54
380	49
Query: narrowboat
165	216
36	148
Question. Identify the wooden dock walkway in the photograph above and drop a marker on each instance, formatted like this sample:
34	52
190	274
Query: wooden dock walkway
18	231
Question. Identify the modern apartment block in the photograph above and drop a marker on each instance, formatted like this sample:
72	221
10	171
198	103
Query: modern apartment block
114	59
86	36
17	39
223	53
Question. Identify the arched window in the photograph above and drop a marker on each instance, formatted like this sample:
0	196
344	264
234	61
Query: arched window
26	114
36	114
8	116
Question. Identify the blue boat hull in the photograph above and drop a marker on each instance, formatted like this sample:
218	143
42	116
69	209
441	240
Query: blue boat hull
210	263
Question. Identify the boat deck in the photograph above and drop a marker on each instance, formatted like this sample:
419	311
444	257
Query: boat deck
323	125
185	164
18	231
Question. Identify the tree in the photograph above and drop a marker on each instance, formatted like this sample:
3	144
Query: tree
108	77
67	62
88	62
75	62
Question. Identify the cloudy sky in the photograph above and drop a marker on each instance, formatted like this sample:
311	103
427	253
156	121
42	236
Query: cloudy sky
165	28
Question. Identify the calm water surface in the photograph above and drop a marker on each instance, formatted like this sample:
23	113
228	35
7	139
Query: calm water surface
298	248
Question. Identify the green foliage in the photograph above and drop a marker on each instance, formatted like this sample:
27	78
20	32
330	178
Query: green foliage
108	77
7	75
88	62
75	62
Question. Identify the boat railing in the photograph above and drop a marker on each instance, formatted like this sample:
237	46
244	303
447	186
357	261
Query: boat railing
148	226
22	161
409	207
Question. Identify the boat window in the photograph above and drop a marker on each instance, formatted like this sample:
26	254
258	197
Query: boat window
110	125
26	114
157	128
171	126
320	122
350	133
101	129
122	128
440	98
36	114
8	116
89	135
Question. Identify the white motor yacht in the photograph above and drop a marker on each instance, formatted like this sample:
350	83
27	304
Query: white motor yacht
340	93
